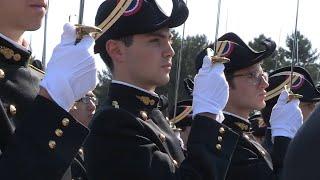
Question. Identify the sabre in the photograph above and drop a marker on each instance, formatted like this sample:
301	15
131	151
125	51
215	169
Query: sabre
213	53
294	56
179	70
44	48
81	9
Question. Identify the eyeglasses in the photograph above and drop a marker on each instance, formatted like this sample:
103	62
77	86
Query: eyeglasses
87	100
255	77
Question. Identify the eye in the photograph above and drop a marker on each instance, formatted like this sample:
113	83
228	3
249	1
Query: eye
252	75
155	40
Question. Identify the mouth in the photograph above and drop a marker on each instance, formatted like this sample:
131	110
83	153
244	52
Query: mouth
263	94
39	5
90	116
167	66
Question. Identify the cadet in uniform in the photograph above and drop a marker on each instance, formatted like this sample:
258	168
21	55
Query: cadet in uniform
301	84
130	138
38	137
247	83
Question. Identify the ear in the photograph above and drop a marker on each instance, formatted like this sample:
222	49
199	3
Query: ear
115	50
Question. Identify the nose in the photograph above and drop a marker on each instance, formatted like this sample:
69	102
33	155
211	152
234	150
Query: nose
169	51
264	82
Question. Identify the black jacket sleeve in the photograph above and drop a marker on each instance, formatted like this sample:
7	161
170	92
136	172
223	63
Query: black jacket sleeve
43	145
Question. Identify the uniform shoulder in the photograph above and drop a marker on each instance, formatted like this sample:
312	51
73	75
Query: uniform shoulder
113	118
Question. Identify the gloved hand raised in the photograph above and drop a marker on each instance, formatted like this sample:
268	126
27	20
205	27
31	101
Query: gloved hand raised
211	90
71	71
286	117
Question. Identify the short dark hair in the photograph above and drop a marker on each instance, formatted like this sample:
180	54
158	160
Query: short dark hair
229	78
127	40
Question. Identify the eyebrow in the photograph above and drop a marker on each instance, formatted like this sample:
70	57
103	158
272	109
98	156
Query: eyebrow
161	34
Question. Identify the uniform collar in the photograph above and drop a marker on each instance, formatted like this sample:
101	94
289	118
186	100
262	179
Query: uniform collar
236	122
127	96
12	52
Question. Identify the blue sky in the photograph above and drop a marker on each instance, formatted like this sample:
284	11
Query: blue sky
247	18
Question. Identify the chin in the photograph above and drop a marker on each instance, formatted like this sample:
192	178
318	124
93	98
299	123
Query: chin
261	105
164	80
34	24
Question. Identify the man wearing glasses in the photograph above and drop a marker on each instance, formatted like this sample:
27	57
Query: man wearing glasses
247	83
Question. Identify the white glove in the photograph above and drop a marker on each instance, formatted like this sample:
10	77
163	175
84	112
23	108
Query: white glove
286	117
211	90
71	71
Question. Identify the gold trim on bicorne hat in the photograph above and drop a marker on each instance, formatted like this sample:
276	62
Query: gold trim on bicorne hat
277	90
182	115
116	13
146	100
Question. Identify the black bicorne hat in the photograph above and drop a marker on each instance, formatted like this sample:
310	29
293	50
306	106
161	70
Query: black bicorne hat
141	16
240	54
302	84
183	114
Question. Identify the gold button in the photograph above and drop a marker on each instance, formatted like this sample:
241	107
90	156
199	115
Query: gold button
52	144
17	57
221	130
246	137
175	162
219	138
13	110
218	146
144	115
162	137
65	122
59	132
81	151
115	104
2	74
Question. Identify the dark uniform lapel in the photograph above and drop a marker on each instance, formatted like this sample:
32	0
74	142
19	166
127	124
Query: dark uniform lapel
249	153
144	106
18	86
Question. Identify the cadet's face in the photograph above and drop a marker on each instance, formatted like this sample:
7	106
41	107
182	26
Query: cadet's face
307	108
23	15
149	59
249	91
